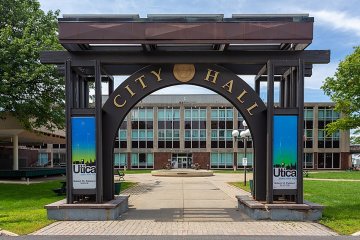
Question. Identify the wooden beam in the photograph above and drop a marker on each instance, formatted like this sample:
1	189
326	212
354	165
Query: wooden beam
210	57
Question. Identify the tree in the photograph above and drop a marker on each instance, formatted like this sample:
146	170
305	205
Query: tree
31	92
344	89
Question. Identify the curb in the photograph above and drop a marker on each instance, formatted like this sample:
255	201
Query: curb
7	233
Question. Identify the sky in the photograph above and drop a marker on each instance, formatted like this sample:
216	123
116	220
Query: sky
336	24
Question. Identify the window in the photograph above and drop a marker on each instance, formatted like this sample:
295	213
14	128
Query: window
249	156
329	160
42	159
221	160
241	127
120	160
59	158
222	124
195	127
142	133
308	113
326	116
308	160
142	160
169	127
308	127
121	142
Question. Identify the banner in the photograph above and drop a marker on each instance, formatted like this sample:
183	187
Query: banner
83	146
285	152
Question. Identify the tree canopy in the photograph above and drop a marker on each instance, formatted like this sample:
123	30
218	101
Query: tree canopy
31	92
344	89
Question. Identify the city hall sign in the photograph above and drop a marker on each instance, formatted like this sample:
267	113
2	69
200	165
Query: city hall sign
215	80
210	76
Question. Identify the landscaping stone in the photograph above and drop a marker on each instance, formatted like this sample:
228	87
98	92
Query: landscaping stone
280	211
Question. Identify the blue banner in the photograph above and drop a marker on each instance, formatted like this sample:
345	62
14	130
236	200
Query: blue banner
83	148
285	151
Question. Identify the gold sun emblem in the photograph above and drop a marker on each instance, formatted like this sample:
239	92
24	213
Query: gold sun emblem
184	72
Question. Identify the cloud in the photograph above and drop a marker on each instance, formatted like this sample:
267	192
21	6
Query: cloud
338	20
76	7
184	89
320	73
330	23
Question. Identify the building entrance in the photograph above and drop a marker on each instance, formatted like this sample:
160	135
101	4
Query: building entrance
181	160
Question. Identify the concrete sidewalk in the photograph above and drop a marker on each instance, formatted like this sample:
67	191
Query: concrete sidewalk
184	206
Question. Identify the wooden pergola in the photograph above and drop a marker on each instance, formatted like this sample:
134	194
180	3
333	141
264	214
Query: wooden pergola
269	47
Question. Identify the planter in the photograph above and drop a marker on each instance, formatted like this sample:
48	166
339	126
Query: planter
117	188
251	182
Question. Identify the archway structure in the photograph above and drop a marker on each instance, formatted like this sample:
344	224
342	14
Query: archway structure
204	50
213	77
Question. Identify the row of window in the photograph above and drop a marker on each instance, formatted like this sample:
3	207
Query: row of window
142	125
59	159
226	160
217	113
146	160
217	160
325	160
138	160
142	133
323	113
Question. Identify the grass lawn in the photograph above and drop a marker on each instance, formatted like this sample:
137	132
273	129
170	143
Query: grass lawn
336	175
341	201
241	185
22	206
126	185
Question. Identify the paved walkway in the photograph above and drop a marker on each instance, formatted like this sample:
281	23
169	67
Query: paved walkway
184	206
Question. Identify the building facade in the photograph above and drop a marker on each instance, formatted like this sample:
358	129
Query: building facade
182	131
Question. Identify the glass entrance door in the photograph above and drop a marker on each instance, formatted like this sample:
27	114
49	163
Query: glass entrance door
183	162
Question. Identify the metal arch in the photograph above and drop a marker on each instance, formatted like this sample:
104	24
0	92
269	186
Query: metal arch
112	116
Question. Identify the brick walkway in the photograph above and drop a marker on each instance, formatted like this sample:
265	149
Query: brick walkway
184	206
148	227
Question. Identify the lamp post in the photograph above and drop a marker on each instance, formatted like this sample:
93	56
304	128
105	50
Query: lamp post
244	135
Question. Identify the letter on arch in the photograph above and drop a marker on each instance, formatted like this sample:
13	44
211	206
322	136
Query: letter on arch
229	86
119	105
157	74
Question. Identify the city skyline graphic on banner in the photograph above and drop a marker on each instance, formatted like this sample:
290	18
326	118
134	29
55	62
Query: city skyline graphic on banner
285	142
83	140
